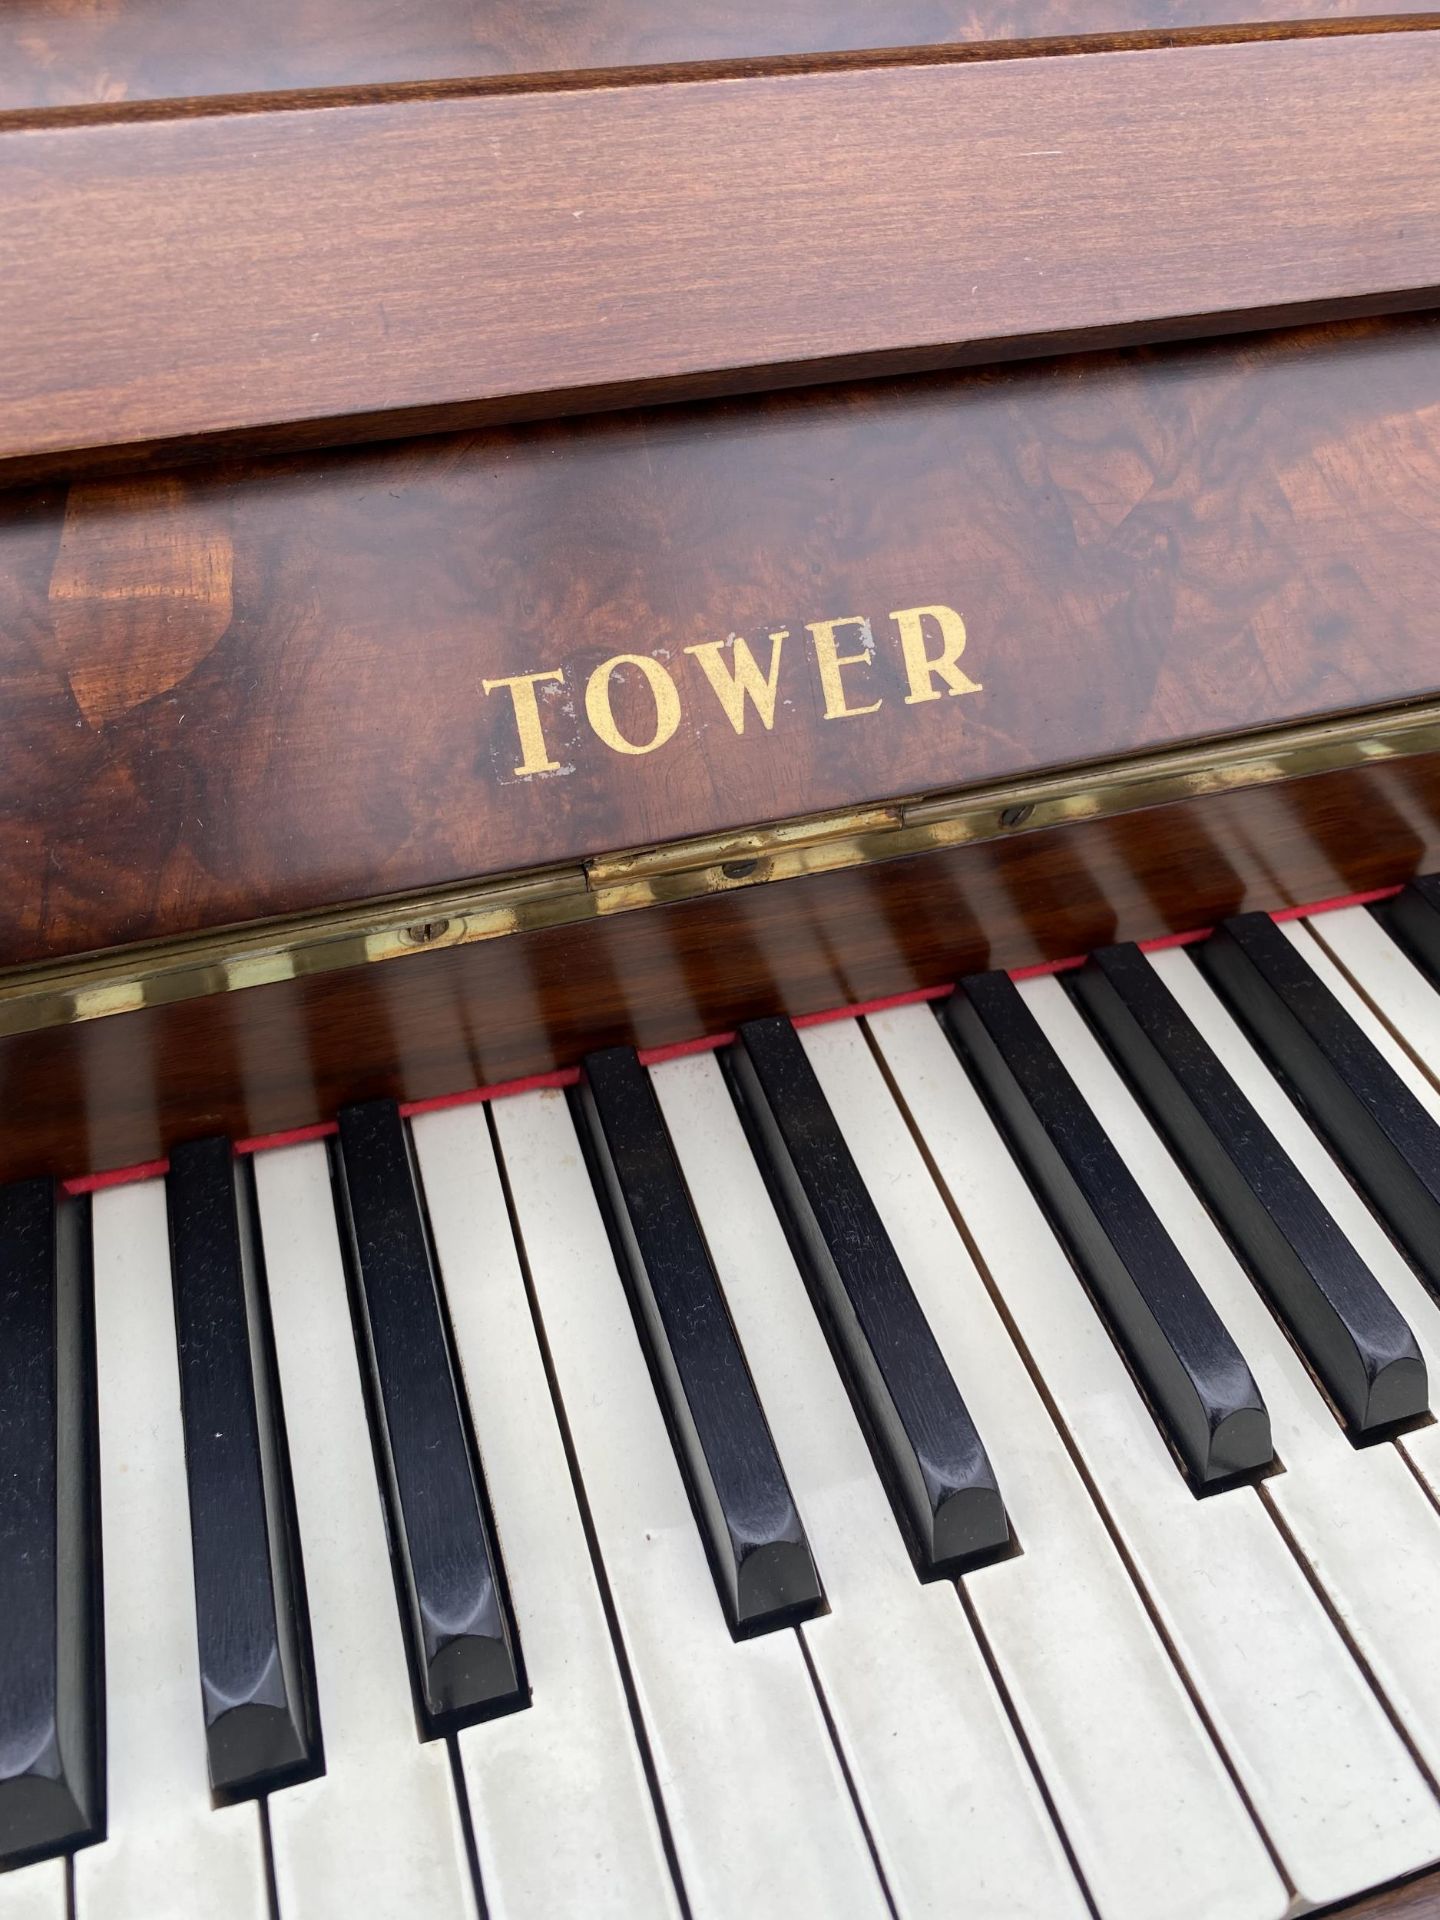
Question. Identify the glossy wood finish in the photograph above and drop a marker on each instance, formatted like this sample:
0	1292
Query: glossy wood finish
258	691
176	284
54	53
1255	559
114	1092
1417	1899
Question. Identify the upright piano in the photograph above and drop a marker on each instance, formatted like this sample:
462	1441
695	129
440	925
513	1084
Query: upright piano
719	960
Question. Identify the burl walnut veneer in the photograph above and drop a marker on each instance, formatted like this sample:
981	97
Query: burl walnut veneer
259	691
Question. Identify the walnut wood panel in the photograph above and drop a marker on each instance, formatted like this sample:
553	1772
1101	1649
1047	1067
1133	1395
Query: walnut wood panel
259	691
55	53
117	1091
315	275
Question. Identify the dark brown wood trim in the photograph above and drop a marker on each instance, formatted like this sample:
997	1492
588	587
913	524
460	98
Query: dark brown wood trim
323	275
119	112
1414	1899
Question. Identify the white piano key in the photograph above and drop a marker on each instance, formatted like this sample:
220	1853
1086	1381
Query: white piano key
1333	1787
762	1820
167	1850
1148	1805
559	1802
957	1818
379	1833
1388	978
34	1893
1395	1006
1358	1516
1408	1007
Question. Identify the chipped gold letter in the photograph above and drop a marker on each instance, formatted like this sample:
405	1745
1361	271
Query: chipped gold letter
829	661
527	718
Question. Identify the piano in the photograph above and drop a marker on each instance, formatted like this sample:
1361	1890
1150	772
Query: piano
719	960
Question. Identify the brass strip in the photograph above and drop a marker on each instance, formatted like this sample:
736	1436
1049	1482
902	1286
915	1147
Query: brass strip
738	848
95	986
1121	786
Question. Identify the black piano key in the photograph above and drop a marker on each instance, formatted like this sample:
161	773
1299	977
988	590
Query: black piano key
1353	1335
932	1456
256	1683
1413	919
466	1654
1192	1371
761	1558
1352	1096
50	1733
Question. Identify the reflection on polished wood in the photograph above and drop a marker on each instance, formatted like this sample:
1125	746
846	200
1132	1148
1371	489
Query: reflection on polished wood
139	593
444	1022
56	53
174	284
398	699
108	985
287	715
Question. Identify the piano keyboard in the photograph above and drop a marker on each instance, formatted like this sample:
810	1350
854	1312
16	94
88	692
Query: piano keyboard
970	1459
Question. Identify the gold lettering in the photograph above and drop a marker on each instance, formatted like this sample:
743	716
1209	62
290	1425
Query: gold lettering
830	661
602	717
920	666
734	685
535	758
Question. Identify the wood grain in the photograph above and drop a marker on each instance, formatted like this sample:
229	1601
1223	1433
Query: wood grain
259	691
313	276
117	1091
1417	1899
73	52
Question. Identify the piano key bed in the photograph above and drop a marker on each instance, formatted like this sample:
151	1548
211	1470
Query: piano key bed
970	1458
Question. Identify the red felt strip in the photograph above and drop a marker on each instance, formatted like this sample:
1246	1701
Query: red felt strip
1333	906
706	1043
562	1077
1042	967
118	1177
321	1130
915	997
1163	940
